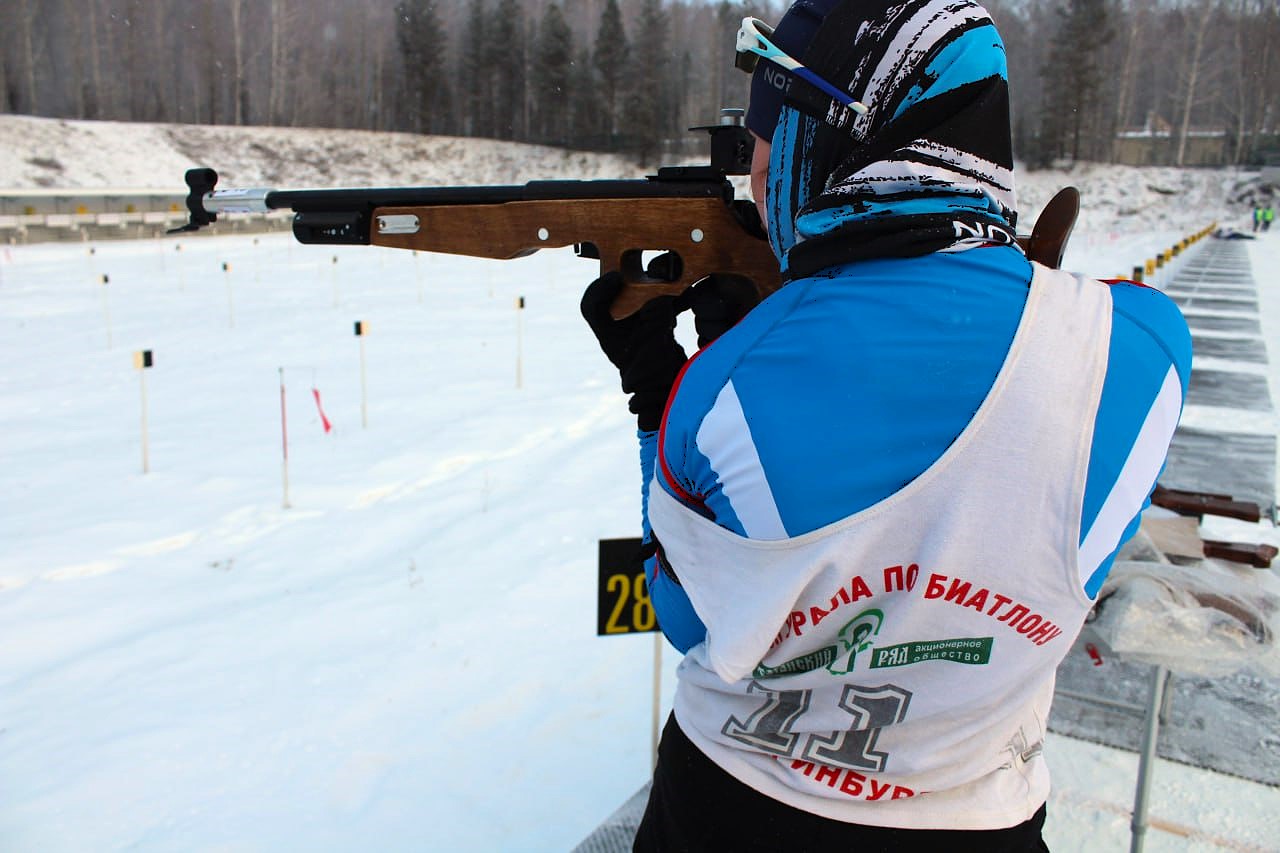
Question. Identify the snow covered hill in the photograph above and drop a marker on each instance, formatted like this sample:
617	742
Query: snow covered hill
55	153
38	152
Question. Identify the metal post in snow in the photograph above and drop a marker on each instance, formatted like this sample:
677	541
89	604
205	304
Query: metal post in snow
1147	758
284	443
657	698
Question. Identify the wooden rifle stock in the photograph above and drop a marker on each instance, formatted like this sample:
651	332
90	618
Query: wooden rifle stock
707	236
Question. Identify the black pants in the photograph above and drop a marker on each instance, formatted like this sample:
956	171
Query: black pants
695	806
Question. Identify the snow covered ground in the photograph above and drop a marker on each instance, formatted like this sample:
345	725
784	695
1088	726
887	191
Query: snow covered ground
404	657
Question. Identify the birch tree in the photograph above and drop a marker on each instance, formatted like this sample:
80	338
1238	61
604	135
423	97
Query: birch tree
1200	13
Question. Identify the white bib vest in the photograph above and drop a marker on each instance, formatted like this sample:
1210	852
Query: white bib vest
896	668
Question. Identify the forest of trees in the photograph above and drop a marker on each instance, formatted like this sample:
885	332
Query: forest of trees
617	75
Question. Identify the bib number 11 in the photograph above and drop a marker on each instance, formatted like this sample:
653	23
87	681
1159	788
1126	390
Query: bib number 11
770	727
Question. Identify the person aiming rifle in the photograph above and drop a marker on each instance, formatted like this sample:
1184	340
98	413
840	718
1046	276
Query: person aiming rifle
879	503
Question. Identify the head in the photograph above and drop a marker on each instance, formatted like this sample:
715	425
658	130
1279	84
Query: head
930	155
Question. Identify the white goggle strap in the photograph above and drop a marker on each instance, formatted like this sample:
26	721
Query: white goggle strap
753	39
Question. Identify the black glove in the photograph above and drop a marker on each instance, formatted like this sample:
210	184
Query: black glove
718	303
643	346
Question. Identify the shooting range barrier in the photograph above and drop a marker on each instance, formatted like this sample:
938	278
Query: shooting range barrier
1160	268
42	216
1205	711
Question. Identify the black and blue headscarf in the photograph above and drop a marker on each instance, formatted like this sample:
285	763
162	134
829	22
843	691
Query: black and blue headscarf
928	167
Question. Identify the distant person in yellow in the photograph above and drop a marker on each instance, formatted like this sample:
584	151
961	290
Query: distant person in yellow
1268	214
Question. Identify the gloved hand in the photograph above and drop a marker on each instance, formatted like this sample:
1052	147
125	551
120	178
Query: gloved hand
718	303
643	346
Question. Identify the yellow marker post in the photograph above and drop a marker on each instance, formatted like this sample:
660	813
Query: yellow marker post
231	306
142	362
360	329
106	304
284	444
182	272
519	341
417	274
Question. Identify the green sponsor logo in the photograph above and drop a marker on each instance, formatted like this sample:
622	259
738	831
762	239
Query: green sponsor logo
855	636
838	659
970	650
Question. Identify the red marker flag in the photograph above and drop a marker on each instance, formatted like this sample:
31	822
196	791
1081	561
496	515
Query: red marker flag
324	421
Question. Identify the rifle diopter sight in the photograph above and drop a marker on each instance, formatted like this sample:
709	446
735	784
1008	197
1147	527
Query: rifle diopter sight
731	143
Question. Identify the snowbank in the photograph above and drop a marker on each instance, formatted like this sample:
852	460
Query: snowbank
48	153
55	153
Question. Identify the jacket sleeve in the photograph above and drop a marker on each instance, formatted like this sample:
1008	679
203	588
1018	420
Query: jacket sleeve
1148	370
676	617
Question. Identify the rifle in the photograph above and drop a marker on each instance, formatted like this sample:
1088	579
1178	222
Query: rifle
687	213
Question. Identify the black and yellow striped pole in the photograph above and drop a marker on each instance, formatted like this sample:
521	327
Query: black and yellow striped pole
142	362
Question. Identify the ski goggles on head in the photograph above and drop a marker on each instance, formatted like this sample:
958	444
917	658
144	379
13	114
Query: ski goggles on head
753	43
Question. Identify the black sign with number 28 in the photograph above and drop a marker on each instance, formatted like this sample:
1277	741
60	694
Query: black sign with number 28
622	596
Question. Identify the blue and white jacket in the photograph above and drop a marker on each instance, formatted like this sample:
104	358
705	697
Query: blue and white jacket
848	385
